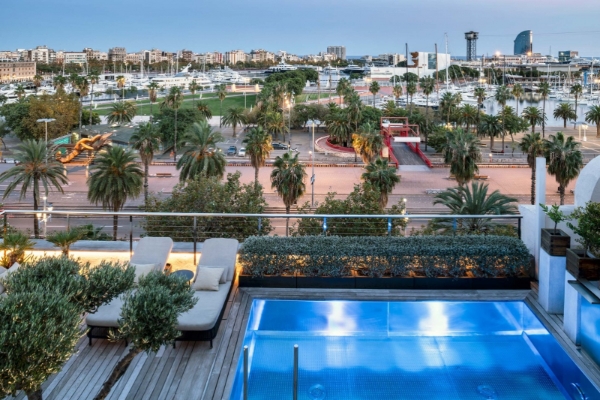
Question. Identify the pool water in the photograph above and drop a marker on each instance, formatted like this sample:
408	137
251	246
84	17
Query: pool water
405	350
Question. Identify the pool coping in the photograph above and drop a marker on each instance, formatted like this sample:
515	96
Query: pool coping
242	299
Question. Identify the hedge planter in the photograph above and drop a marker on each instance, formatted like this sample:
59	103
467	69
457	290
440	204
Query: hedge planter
555	242
580	265
365	282
288	281
442	283
325	282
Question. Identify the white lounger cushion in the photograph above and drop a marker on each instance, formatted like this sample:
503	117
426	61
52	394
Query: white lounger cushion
208	279
153	250
107	315
218	252
141	270
206	312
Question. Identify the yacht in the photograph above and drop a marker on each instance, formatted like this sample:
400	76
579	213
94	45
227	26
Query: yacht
351	68
281	67
181	79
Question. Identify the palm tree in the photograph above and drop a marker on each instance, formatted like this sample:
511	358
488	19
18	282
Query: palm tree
146	140
342	88
204	109
59	82
564	160
462	152
121	85
234	116
20	91
122	112
576	91
427	86
275	123
221	94
564	111
411	89
153	88
374	89
544	91
287	178
502	95
593	116
367	142
397	91
468	115
338	127
258	147
532	145
491	126
32	169
517	92
194	87
93	79
383	177
173	101
37	81
83	85
115	177
533	115
480	94
474	200
201	156
354	109
447	103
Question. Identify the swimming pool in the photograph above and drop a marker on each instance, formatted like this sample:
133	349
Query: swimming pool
405	350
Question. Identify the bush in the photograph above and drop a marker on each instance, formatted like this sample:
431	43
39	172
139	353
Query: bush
430	256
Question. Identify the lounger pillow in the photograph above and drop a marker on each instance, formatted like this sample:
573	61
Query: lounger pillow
142	269
208	279
5	272
223	277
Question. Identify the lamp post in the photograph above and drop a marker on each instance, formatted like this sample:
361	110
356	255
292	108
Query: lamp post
45	121
313	123
585	127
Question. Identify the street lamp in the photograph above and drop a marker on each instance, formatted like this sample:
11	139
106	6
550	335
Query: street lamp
45	121
313	123
585	127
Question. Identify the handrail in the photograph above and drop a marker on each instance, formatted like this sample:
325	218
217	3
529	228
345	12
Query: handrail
242	215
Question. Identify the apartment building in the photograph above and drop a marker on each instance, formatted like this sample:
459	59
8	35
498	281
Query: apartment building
117	54
15	71
235	56
339	51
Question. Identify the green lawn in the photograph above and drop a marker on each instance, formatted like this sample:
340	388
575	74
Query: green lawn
213	103
302	98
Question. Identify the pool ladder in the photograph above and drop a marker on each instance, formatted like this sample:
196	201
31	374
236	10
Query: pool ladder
579	391
295	393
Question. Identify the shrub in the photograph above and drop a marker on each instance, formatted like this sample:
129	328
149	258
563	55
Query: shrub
430	256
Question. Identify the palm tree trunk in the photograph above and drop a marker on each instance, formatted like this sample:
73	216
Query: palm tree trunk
544	119
117	373
80	109
146	172
597	131
91	95
35	395
256	177
175	140
115	221
220	114
533	183
561	192
502	135
491	142
36	222
287	221
565	123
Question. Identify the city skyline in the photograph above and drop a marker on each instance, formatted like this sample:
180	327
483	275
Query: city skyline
384	26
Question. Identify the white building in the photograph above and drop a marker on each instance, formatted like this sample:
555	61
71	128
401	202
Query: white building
339	51
235	56
74	57
39	55
422	64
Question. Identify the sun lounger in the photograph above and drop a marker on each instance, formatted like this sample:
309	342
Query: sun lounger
202	322
149	250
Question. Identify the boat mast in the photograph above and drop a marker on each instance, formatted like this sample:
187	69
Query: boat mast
446	56
437	74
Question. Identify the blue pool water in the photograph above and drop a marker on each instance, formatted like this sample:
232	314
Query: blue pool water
405	350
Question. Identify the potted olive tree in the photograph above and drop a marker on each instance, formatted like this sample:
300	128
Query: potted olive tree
555	241
585	262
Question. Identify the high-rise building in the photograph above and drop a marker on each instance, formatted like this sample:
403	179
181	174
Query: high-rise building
117	54
339	51
524	43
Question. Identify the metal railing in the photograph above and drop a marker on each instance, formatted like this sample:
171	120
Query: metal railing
195	227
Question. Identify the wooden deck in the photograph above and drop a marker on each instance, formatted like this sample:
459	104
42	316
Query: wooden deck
195	371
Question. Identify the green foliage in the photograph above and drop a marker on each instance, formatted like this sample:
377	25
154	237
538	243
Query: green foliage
564	160
587	227
85	286
201	156
122	112
364	200
438	139
64	239
294	80
89	232
381	176
186	117
371	115
149	314
287	178
430	256
462	152
85	116
15	244
38	334
554	213
209	195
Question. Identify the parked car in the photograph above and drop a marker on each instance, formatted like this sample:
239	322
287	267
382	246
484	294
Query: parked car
242	152
279	146
231	151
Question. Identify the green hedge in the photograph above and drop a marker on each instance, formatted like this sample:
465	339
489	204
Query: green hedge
430	256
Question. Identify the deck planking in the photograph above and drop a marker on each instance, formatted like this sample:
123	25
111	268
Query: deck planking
193	370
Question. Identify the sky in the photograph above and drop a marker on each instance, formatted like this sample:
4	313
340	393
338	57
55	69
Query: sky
300	26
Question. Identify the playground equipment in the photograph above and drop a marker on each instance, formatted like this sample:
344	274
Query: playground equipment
397	129
90	145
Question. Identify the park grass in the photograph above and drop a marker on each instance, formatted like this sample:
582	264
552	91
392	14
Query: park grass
213	104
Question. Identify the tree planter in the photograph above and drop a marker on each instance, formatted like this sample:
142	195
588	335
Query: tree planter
582	266
274	281
366	282
501	283
555	242
325	282
443	283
